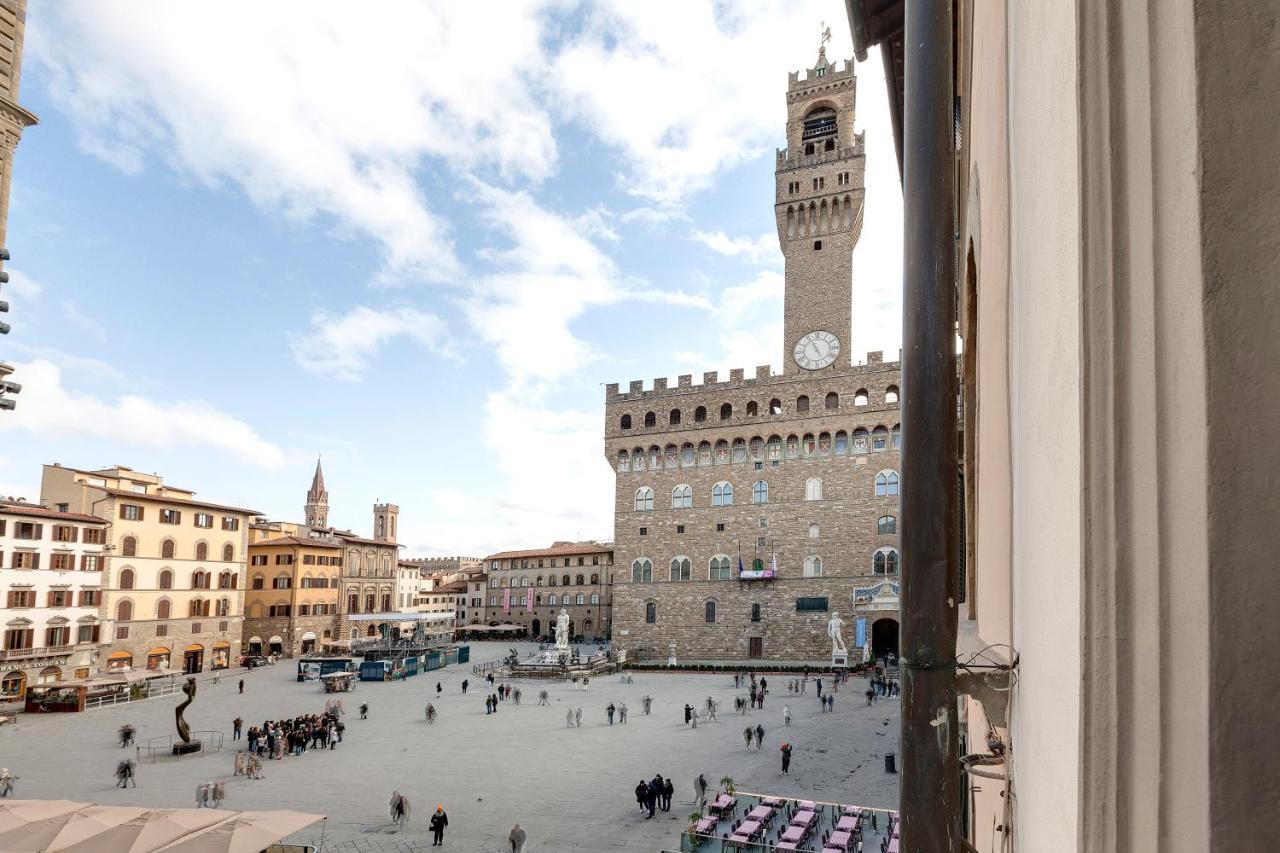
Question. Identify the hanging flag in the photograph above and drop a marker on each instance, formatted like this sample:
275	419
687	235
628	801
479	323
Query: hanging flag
773	567
506	599
740	566
861	633
529	593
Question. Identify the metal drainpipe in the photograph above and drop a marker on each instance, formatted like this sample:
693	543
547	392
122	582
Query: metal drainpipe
931	772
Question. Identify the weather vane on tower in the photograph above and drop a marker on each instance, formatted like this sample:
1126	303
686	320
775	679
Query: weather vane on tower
824	37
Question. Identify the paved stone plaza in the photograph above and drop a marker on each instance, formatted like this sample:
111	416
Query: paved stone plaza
572	790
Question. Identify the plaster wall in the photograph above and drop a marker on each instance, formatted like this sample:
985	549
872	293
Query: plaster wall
1044	384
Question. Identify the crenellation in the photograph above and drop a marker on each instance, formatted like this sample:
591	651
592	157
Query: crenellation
763	371
685	380
637	386
710	377
660	383
735	375
738	380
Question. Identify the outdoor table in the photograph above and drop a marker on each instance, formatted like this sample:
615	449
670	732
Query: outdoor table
804	819
794	834
771	801
705	826
840	840
738	840
856	811
760	813
749	828
893	846
847	823
724	802
807	806
786	845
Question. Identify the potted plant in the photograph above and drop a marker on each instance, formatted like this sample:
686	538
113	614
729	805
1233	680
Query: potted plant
691	833
727	783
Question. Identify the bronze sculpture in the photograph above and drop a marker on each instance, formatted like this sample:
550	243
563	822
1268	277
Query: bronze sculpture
184	731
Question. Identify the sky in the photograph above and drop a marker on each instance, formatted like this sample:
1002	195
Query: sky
416	241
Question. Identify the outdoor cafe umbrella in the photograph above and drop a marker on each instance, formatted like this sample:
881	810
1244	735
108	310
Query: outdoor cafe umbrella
56	833
15	814
146	832
245	832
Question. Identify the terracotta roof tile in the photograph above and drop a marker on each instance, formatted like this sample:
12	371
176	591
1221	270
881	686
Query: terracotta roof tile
557	549
38	511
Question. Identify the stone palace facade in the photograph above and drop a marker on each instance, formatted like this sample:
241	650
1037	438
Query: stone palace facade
748	510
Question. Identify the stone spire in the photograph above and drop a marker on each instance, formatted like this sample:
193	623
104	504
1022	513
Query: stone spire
317	511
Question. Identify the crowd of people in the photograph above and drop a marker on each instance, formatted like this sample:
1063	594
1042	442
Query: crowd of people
276	738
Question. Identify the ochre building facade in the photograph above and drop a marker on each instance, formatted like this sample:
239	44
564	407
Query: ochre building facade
747	511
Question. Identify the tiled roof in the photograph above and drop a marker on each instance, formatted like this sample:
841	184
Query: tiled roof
37	511
298	540
172	499
348	536
557	549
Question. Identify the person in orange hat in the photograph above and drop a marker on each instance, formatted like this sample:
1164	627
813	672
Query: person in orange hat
439	821
786	758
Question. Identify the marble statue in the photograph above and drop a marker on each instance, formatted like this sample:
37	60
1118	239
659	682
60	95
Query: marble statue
562	629
833	631
866	652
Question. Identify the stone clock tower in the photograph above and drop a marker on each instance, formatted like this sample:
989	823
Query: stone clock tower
819	212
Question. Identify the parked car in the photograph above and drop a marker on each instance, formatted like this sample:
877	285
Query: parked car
251	661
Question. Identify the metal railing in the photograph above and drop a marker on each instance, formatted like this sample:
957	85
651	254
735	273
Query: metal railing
210	741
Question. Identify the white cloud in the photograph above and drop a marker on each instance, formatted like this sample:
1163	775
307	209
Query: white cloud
687	90
22	286
49	409
762	249
90	367
308	109
341	345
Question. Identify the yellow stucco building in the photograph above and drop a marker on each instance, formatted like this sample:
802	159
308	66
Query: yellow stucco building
173	589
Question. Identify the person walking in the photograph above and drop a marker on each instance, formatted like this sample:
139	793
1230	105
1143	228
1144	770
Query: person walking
647	704
818	682
610	710
711	711
764	684
668	790
364	710
786	715
464	685
642	794
652	791
831	703
517	838
439	689
439	821
218	793
577	718
7	779
568	718
236	725
760	699
622	714
242	685
543	696
517	694
124	774
786	759
759	736
700	789
747	734
688	713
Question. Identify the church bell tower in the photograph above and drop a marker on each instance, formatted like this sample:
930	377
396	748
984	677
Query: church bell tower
317	506
819	195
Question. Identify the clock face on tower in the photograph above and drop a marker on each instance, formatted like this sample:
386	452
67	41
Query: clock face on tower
816	350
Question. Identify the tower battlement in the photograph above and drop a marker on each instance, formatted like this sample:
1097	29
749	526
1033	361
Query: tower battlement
660	389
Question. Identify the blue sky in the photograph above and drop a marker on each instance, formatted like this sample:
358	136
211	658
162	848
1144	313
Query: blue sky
417	241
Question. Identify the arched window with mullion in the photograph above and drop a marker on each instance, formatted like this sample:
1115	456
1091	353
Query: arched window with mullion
682	496
642	570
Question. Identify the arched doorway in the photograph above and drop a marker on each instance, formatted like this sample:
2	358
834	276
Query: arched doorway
537	628
49	674
308	642
275	645
221	655
255	646
884	638
193	659
119	662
